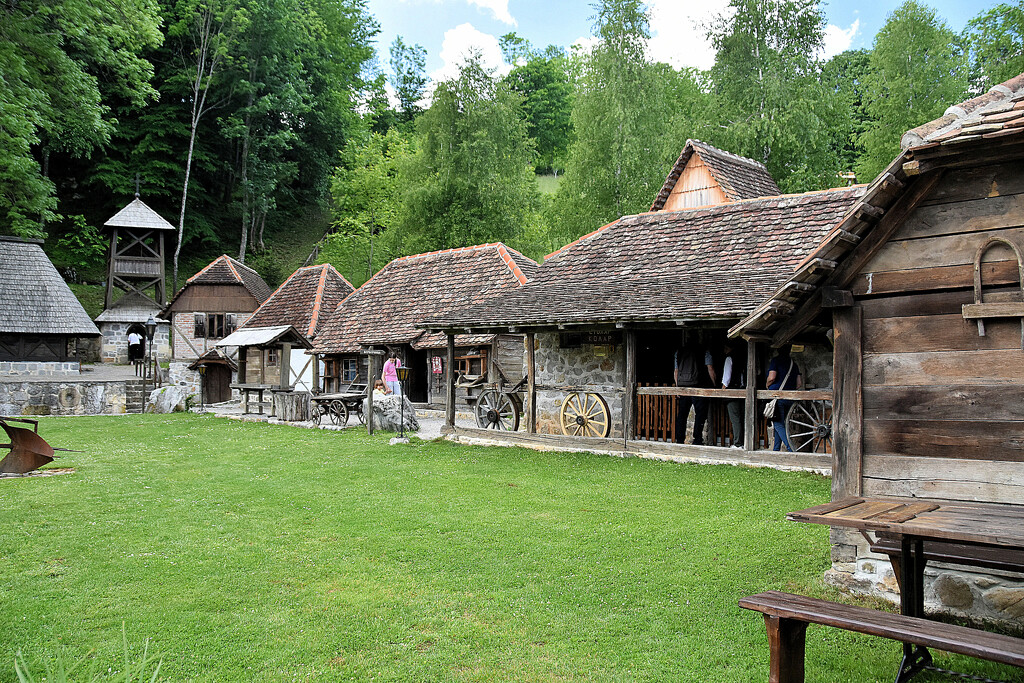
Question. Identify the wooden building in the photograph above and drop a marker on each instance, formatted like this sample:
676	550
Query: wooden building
136	282
303	301
922	291
212	304
385	311
41	320
605	314
704	176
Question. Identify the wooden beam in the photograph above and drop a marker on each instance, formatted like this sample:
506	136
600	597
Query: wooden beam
531	384
832	297
449	383
629	417
848	404
851	266
750	404
286	364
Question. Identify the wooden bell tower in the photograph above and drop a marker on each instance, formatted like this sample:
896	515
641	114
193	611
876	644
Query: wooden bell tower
136	257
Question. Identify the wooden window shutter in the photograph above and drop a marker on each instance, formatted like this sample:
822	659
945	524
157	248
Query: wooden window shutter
230	323
200	325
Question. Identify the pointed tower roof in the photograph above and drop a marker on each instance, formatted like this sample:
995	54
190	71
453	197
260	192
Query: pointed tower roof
138	215
705	175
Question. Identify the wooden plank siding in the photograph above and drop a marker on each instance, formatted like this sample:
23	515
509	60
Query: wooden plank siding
943	407
695	187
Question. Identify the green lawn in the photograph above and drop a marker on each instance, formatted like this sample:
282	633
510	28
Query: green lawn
248	552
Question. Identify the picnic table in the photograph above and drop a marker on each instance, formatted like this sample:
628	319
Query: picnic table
338	406
253	388
910	532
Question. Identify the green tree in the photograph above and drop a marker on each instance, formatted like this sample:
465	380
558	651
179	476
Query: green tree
765	80
367	192
543	83
995	41
53	57
471	180
620	113
917	71
845	77
409	79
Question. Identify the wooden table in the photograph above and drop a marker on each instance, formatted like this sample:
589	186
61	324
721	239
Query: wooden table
979	530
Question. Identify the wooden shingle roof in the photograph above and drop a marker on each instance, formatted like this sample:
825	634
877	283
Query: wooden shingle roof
714	262
34	299
389	306
739	177
138	215
304	300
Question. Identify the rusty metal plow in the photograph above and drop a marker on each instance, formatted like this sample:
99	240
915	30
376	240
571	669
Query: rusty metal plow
28	450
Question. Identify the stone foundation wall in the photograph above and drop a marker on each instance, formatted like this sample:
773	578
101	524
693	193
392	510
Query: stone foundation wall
62	398
29	368
986	595
577	369
114	344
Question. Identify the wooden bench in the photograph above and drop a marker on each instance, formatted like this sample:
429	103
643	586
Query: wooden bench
786	617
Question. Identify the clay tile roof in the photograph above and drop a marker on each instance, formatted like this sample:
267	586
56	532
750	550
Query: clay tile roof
34	299
711	262
739	177
997	113
389	306
304	300
225	270
138	215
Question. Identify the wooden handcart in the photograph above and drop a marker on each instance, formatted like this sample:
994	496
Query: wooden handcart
337	407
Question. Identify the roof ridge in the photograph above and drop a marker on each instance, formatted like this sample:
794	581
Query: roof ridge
731	155
510	262
209	265
604	227
318	299
445	251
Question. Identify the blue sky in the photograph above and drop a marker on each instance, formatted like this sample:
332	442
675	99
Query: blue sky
446	28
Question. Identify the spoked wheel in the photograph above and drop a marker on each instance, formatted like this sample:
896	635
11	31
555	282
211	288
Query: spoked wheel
316	413
585	414
809	426
360	415
339	413
496	410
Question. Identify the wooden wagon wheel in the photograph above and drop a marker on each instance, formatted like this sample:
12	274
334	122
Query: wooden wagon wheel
317	413
339	413
585	414
360	415
809	426
497	410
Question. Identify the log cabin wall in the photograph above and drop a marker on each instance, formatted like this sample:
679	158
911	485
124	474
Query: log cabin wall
943	407
938	397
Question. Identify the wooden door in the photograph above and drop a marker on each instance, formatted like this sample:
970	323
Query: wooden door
217	383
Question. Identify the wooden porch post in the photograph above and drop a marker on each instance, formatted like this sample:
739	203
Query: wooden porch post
316	373
286	365
750	405
629	418
531	384
847	403
243	370
449	383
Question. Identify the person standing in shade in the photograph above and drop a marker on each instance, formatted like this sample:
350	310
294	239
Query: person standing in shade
690	373
390	374
134	346
783	374
734	376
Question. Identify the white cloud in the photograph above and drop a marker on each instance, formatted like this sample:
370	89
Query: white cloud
585	43
839	40
499	8
459	42
678	32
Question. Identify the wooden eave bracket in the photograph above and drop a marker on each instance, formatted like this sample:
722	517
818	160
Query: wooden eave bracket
833	297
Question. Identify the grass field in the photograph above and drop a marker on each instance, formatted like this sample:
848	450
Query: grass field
248	552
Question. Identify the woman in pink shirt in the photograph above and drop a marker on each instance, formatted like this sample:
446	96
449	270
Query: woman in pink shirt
390	374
